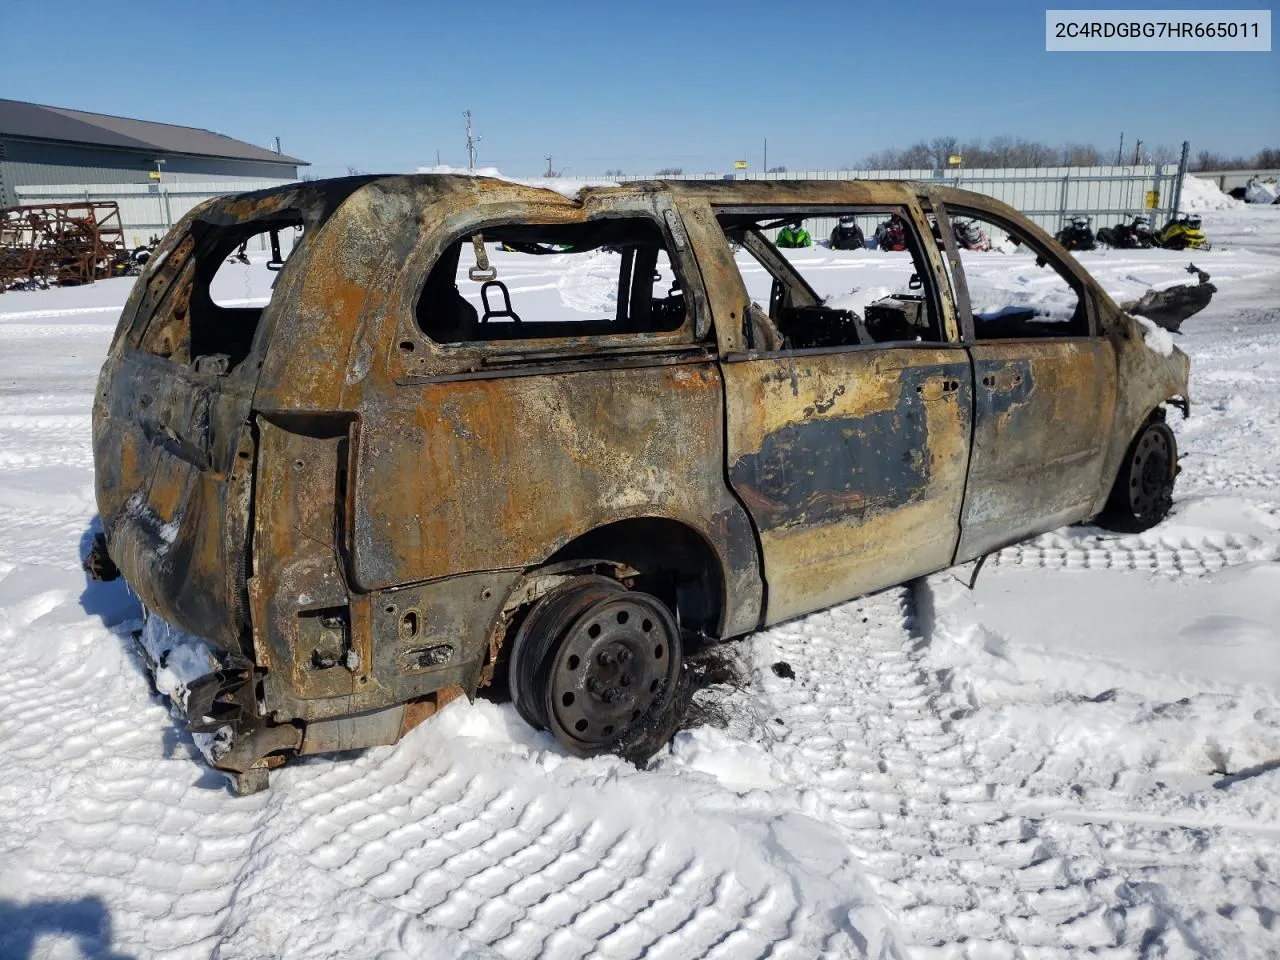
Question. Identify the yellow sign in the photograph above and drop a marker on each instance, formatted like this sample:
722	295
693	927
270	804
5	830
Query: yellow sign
955	159
739	164
1153	199
153	174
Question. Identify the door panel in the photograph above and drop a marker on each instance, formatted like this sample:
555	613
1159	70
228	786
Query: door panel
852	465
1041	424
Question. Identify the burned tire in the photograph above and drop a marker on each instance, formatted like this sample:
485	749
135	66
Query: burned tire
1143	491
599	666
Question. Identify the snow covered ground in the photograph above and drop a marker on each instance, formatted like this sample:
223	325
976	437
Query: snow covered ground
1080	756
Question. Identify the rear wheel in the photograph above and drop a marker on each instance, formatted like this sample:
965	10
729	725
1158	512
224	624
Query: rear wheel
596	664
1143	491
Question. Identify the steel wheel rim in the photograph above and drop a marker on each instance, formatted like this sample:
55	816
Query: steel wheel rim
535	641
1149	471
613	664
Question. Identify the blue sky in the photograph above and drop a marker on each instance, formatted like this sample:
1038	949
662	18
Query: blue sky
382	85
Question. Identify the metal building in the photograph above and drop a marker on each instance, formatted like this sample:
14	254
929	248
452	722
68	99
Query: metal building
42	145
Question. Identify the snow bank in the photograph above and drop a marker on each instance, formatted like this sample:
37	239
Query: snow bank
1200	195
564	186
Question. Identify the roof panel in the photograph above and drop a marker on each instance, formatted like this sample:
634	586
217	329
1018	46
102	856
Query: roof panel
40	122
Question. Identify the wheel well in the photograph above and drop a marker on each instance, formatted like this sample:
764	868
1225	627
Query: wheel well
673	562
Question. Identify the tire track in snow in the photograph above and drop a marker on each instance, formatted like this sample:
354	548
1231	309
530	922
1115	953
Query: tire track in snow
118	821
1171	554
936	819
1210	480
522	868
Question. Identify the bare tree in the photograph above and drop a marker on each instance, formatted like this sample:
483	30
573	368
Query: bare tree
1207	160
884	160
918	156
669	172
776	170
1019	152
943	149
1031	153
1081	155
614	173
997	152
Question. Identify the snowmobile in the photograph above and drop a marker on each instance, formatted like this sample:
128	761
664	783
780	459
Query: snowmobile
970	236
1077	234
892	234
1183	233
129	263
794	236
1128	236
847	235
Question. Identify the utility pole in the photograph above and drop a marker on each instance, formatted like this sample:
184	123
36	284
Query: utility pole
765	167
1137	153
549	171
437	157
1120	151
277	144
471	143
1179	180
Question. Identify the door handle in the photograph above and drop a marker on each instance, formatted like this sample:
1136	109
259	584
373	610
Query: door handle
1002	381
936	388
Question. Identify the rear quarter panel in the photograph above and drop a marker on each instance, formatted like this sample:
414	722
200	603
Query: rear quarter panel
501	472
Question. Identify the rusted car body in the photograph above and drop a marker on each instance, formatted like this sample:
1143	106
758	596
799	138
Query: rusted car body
358	515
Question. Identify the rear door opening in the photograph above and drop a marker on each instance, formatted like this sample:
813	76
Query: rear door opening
176	425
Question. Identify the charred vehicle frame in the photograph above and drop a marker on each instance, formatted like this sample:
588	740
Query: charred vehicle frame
373	495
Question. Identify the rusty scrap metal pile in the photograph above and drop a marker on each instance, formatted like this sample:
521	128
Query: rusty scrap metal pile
59	243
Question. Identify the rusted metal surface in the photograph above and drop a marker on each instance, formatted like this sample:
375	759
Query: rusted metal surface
362	513
59	243
1037	447
852	465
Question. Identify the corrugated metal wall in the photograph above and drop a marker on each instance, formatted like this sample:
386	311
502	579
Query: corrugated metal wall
31	163
146	210
1048	195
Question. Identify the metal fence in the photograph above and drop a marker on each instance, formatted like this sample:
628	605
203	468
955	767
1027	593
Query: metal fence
147	209
1048	195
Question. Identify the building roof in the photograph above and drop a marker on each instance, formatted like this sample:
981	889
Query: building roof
38	122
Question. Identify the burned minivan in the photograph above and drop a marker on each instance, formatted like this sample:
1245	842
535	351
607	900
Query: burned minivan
411	475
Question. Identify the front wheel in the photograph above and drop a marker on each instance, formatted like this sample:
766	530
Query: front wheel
1143	491
597	665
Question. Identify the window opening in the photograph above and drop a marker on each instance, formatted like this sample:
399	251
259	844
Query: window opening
1016	288
816	300
545	281
211	292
